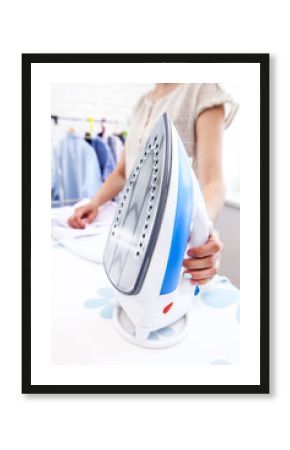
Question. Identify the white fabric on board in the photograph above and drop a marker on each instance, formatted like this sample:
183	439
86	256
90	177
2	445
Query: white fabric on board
88	243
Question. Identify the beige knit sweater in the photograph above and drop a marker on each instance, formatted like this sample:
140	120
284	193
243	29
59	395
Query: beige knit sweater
183	106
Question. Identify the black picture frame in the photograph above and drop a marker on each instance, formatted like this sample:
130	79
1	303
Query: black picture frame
27	61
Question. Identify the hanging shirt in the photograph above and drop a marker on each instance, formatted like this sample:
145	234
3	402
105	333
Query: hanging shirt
55	179
77	170
104	155
116	147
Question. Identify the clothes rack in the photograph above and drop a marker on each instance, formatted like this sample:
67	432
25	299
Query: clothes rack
56	118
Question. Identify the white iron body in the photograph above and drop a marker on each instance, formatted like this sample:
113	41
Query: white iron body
148	310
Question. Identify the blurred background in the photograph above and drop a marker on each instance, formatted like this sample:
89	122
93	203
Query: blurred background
98	114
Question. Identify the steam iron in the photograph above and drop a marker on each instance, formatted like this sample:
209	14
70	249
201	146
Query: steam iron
161	210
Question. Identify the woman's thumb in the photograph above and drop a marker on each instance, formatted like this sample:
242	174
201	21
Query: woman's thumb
91	216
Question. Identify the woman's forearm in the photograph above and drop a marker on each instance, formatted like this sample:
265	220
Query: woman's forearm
111	187
209	141
214	196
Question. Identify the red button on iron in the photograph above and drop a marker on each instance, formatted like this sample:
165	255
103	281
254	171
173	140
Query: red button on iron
167	308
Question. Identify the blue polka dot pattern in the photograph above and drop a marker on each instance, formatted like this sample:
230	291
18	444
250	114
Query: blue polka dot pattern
224	280
107	311
162	332
153	336
105	302
95	303
166	331
106	292
220	298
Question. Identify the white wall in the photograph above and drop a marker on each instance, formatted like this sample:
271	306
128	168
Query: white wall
228	225
111	101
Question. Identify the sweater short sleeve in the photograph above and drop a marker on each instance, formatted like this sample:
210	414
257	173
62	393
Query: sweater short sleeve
213	94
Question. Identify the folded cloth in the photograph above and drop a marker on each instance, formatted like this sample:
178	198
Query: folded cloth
89	243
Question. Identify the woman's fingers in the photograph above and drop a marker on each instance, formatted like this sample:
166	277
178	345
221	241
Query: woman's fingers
204	274
72	221
80	222
200	282
199	263
211	247
76	220
91	216
203	261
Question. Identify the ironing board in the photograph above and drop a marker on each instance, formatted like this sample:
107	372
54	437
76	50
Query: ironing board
83	333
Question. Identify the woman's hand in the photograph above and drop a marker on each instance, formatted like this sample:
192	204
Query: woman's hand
204	261
83	215
111	187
